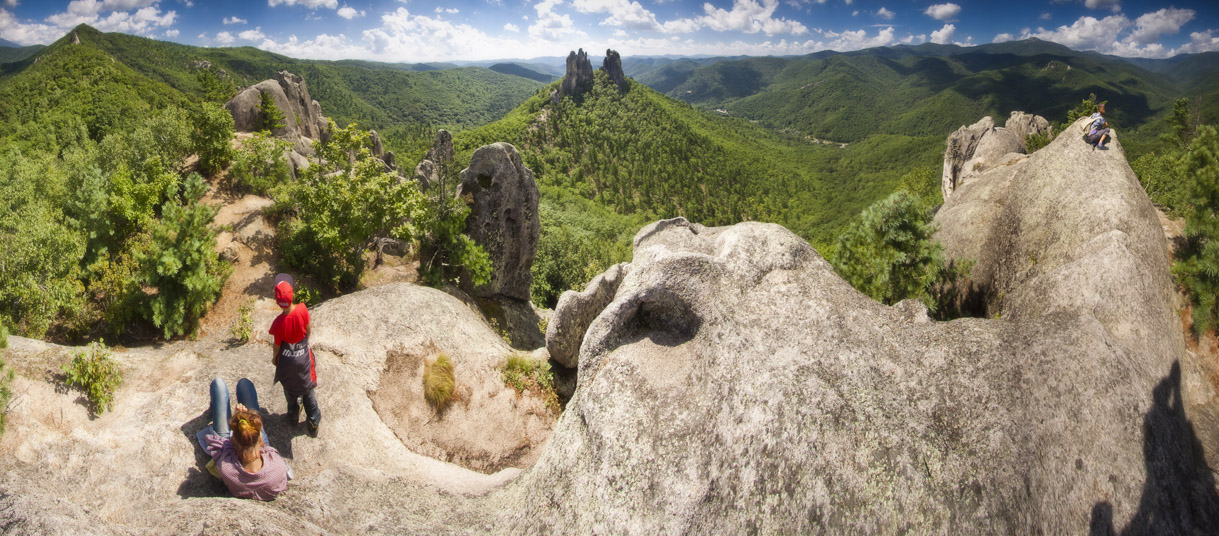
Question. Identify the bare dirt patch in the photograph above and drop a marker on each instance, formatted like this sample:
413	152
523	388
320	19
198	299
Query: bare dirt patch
482	429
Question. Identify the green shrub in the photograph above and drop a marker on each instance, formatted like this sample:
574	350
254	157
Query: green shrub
181	263
212	136
260	164
1036	141
307	295
243	326
217	88
1197	265
6	378
924	182
891	255
270	117
94	371
1159	174
525	374
438	382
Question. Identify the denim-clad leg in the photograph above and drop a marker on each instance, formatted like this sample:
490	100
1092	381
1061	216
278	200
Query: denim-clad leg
293	403
220	407
247	394
311	408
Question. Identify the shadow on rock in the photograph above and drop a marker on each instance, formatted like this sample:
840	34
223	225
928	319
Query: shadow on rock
198	482
1179	495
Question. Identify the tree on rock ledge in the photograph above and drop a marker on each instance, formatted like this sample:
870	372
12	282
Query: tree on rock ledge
1198	266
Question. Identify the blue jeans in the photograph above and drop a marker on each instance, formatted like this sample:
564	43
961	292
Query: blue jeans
309	398
221	413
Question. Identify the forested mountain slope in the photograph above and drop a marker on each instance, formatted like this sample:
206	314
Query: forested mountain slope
646	156
374	95
923	90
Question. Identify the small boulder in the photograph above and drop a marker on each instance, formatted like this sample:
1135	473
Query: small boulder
1024	125
503	219
303	120
576	310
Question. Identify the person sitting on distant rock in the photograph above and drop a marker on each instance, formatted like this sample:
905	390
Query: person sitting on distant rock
1098	131
238	446
292	356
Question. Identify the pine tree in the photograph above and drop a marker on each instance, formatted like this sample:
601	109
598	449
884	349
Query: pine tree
1197	267
181	263
270	116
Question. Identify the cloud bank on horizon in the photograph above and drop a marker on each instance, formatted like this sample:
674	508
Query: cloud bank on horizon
436	30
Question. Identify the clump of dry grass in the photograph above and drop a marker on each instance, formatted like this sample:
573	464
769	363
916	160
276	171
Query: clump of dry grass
438	381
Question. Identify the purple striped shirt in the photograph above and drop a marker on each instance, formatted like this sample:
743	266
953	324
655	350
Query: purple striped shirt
263	485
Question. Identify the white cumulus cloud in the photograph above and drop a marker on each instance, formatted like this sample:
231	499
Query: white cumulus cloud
885	14
944	35
172	33
450	10
1003	38
943	11
349	12
311	4
750	16
623	13
11	3
1151	26
224	38
252	35
235	20
512	27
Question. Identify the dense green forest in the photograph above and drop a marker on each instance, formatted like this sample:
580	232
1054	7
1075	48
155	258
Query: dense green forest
377	96
639	153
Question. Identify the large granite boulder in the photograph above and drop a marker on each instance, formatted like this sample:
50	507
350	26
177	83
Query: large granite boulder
736	384
578	78
1024	125
303	120
613	67
981	146
503	219
576	310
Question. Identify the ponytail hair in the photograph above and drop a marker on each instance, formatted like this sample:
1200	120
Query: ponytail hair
247	429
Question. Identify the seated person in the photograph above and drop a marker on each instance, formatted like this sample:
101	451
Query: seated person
1098	131
238	446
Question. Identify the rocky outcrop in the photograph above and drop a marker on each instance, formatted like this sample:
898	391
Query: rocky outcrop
430	168
576	310
736	383
303	120
503	219
1024	125
579	76
973	149
613	67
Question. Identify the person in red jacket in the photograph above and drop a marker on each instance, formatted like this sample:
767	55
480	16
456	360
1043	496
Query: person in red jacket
292	357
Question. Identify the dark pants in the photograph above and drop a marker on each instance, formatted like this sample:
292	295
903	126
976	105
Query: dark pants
220	410
1096	135
309	398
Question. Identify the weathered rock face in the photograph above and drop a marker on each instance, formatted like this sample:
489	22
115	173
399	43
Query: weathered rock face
1024	125
982	146
579	76
576	310
503	219
613	67
736	383
428	171
303	120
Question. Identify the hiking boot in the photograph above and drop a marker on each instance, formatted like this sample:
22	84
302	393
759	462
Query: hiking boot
312	429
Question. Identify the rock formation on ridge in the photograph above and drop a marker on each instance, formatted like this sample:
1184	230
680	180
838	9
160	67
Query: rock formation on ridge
613	67
429	169
981	146
578	78
503	219
303	120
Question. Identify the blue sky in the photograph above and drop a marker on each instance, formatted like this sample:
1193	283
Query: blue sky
431	30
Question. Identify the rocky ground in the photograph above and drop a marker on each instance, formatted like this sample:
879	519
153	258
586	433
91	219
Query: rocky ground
729	382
